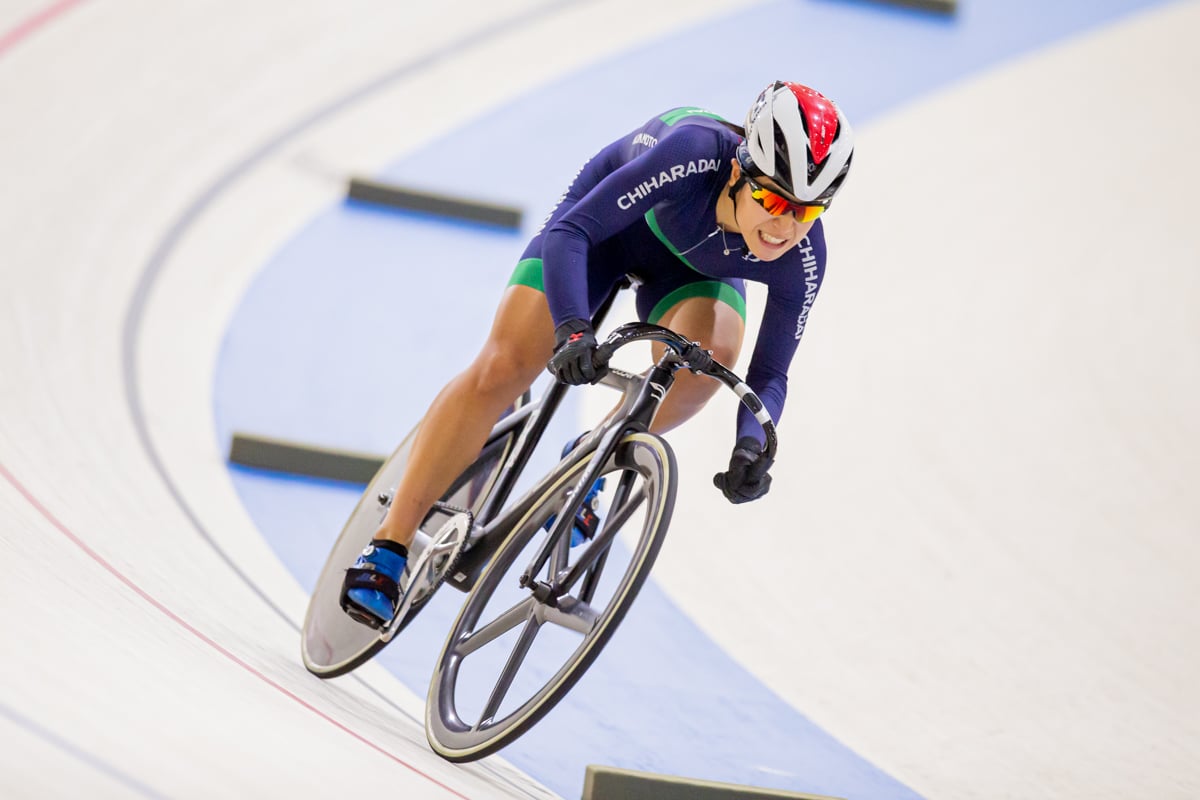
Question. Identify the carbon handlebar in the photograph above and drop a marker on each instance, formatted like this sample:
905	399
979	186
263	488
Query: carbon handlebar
642	331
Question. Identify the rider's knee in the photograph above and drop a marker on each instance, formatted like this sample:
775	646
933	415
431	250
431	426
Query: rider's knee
501	371
688	397
725	351
694	391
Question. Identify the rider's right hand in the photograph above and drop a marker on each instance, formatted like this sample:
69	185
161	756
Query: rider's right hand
574	360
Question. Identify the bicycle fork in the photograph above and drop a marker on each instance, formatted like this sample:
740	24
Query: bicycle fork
634	416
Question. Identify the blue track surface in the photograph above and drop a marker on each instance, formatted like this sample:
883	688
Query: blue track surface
312	353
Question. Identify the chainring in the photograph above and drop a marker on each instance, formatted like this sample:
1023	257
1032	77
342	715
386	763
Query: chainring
426	572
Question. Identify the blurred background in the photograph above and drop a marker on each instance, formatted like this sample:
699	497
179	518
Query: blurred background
974	577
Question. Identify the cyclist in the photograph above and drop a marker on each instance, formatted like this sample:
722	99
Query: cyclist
691	206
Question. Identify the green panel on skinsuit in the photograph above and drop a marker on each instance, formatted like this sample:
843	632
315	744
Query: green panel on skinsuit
714	289
528	273
671	117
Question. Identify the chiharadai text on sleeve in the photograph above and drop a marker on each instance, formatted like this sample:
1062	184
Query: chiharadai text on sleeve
617	201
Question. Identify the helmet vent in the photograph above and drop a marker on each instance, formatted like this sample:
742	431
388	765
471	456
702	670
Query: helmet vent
781	157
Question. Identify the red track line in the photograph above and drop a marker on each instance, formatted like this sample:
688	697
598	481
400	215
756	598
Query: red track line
13	37
45	512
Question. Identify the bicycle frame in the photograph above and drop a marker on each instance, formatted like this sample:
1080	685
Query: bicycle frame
533	419
468	539
642	396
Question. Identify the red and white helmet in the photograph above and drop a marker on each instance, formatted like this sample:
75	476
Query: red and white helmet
798	138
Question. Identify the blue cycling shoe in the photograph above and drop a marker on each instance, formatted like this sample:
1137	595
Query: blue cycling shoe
371	590
586	519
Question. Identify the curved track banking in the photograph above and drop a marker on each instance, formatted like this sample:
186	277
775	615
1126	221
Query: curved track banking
992	553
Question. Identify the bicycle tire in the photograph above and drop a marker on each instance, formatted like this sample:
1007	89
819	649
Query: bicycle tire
332	644
643	456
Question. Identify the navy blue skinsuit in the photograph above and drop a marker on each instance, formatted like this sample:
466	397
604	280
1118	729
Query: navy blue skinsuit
646	205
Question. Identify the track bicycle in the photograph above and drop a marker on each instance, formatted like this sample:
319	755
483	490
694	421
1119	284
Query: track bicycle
332	644
538	610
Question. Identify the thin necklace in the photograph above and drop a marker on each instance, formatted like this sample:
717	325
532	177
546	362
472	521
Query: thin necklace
724	244
705	239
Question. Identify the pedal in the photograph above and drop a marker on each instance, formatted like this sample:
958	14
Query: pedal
362	617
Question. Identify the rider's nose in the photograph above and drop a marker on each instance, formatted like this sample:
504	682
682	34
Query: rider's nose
782	226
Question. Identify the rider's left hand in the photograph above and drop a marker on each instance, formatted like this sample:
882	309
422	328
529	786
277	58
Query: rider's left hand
747	478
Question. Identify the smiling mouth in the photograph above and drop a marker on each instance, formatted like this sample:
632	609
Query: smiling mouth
774	241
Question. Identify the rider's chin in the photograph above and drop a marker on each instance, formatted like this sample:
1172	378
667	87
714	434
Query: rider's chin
769	249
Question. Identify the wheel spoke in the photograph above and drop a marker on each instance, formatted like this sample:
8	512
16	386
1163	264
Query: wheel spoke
515	659
492	631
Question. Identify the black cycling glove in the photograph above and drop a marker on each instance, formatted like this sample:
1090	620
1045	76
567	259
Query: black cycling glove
747	478
574	360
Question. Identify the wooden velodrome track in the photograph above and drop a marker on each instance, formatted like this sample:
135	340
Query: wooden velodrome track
993	586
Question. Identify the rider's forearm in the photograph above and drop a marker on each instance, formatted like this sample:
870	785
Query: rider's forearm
564	273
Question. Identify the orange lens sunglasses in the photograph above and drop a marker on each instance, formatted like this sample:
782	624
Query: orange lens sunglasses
777	205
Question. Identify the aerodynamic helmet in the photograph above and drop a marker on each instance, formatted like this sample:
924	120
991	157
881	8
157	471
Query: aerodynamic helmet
799	139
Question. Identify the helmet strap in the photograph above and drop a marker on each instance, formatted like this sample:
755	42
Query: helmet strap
733	190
